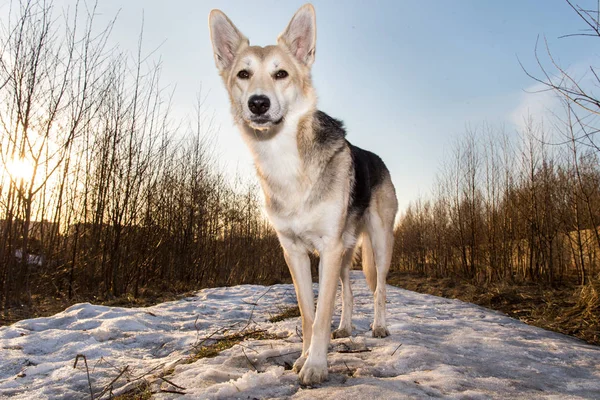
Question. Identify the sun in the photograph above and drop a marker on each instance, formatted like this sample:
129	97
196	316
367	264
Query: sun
21	168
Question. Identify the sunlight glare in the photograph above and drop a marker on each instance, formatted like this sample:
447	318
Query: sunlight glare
20	169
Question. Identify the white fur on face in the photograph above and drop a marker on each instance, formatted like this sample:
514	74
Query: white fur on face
285	96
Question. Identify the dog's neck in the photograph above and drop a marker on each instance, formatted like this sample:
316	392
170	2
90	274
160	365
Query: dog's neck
278	152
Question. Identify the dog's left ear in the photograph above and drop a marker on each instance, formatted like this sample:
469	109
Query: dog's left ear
300	36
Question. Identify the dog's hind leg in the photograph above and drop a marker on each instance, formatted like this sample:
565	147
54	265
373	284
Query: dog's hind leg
345	328
380	228
382	248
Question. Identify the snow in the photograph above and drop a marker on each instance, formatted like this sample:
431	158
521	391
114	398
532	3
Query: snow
437	348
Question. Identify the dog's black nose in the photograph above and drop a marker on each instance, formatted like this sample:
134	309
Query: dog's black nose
259	104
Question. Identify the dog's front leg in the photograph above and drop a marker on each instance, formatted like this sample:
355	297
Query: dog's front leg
298	262
315	368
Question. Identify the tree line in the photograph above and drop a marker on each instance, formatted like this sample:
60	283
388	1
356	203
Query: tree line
508	210
521	206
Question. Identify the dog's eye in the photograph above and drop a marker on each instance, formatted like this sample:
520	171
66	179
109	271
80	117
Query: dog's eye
243	74
281	74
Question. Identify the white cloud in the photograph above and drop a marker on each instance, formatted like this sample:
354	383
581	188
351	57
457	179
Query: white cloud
541	104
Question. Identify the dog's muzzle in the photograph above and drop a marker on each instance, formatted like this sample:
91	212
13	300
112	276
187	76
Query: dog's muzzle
259	104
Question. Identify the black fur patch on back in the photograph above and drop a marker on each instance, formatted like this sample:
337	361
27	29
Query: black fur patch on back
369	171
328	129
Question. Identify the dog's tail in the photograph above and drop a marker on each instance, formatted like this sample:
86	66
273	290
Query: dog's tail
368	262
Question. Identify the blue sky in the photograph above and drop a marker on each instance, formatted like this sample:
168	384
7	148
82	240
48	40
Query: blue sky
406	77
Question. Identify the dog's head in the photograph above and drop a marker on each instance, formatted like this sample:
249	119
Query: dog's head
266	84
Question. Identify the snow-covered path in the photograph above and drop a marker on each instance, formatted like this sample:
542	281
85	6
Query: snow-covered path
437	348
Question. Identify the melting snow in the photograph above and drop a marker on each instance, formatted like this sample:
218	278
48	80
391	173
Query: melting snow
437	348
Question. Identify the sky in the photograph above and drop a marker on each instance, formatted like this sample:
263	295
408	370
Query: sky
406	77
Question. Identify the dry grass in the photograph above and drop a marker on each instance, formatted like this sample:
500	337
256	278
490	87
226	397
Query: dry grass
286	313
140	392
569	309
226	342
143	391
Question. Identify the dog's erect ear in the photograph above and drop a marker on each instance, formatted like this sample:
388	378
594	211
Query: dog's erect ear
300	36
226	39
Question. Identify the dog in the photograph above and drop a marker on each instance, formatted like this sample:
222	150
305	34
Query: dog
321	192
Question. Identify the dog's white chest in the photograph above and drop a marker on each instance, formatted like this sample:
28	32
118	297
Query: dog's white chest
279	161
301	217
285	180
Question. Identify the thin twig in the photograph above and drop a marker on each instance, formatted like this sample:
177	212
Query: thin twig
148	372
348	368
110	385
195	346
397	349
351	350
354	351
284	354
249	348
254	307
250	362
171	383
87	371
171	391
196	327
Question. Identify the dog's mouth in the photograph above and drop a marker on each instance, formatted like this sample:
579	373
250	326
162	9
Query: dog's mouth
263	122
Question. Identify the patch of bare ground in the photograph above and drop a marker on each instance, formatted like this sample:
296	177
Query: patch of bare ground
569	308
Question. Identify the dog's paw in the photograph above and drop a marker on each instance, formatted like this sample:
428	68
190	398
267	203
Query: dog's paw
299	364
341	333
313	373
380	332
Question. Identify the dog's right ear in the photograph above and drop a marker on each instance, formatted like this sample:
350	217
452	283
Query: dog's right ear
226	39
